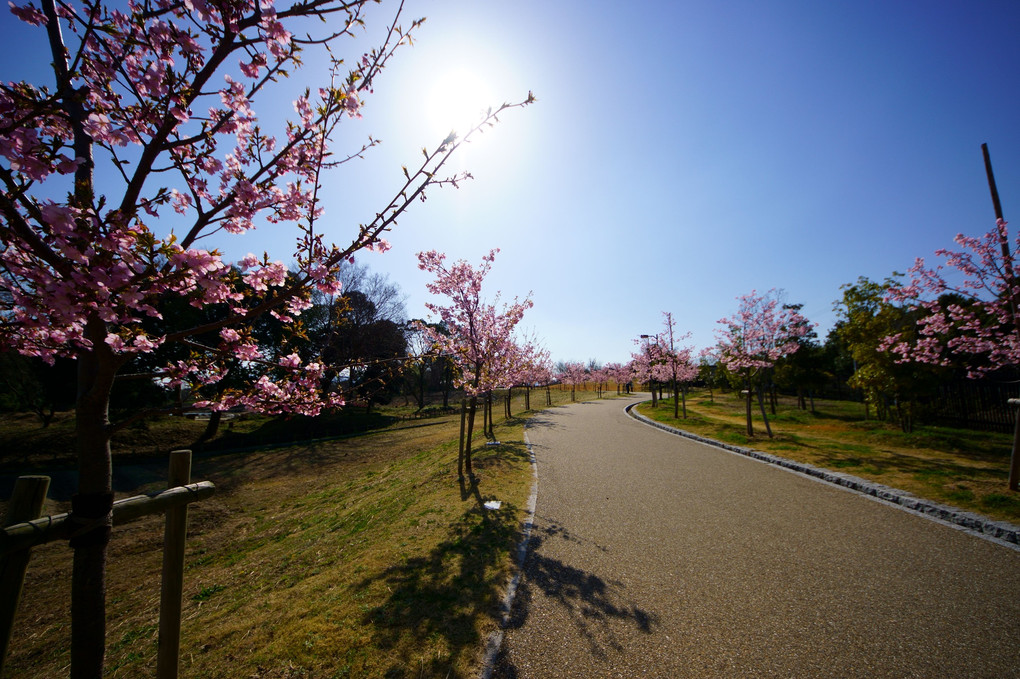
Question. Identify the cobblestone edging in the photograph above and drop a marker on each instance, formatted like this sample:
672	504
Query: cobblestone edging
999	531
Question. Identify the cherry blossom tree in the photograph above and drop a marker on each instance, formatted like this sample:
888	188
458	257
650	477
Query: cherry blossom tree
615	374
534	368
650	366
539	374
597	376
642	364
708	369
761	332
480	339
144	143
676	362
980	324
572	373
970	316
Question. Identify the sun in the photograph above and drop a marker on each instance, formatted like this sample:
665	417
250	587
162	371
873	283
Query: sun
457	100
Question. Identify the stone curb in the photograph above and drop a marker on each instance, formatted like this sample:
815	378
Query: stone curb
1001	532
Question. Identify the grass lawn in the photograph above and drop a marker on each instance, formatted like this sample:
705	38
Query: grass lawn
964	468
356	557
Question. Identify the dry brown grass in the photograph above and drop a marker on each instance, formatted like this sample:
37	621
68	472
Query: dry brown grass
360	557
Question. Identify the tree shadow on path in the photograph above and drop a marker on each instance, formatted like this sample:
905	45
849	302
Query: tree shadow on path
594	607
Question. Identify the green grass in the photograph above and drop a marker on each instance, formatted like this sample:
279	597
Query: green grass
960	467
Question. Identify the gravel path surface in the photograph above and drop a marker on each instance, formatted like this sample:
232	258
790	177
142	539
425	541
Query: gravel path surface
657	556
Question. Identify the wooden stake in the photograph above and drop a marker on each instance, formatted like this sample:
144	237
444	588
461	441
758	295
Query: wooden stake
173	571
991	182
25	504
1014	461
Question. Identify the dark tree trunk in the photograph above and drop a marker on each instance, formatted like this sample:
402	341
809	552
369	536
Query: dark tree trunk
421	390
447	385
460	450
761	406
676	402
211	427
472	407
492	427
485	415
91	508
747	408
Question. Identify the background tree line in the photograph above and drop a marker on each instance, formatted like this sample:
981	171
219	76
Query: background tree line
853	362
362	335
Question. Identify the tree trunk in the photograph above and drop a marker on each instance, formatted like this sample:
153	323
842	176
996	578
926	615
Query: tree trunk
761	406
676	401
485	415
447	384
683	400
91	508
460	450
492	426
472	407
747	408
211	427
527	397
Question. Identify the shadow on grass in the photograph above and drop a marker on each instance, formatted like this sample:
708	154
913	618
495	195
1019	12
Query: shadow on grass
494	456
591	604
926	469
436	600
299	429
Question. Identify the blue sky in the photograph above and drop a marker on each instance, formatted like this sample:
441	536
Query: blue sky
682	154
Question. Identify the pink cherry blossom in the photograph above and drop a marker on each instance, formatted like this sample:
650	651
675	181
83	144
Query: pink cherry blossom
28	13
479	336
139	146
984	331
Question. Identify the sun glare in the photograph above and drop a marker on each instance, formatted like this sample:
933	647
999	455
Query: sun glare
457	100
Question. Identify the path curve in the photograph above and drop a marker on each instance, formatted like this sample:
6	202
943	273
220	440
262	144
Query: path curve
654	555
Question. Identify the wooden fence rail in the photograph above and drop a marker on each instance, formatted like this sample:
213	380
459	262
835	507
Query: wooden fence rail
58	527
22	531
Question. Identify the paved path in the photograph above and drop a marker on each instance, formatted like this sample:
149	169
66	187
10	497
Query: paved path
656	556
